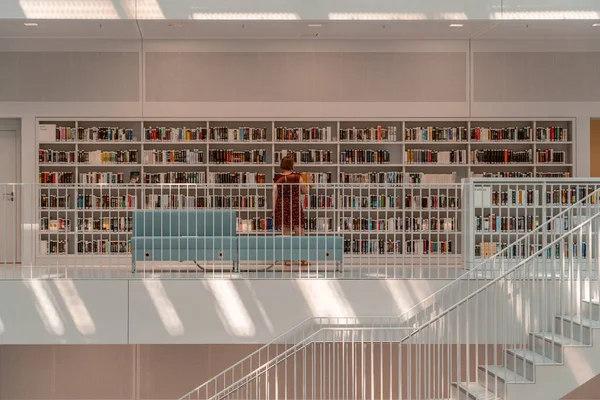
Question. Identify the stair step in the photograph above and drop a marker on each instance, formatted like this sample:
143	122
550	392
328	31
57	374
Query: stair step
504	374
475	391
590	323
532	357
558	338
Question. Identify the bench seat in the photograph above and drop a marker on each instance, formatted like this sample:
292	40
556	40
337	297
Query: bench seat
292	248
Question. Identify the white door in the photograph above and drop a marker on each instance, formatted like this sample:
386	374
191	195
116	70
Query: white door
8	196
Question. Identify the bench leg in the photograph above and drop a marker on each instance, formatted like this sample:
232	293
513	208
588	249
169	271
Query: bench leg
133	267
338	266
236	266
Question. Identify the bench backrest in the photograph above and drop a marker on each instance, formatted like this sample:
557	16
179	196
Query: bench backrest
184	223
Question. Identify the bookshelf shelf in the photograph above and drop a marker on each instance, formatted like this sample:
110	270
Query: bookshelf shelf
390	138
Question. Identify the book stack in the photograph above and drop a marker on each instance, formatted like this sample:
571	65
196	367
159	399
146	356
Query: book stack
419	177
105	134
513	134
194	156
550	156
103	246
236	177
314	134
426	156
501	156
91	201
101	177
230	156
53	201
56	156
236	201
435	134
174	177
65	134
426	246
496	223
55	224
372	177
310	156
56	177
256	224
371	224
319	224
174	201
375	201
375	134
516	197
372	246
107	157
432	202
242	134
105	224
366	156
511	174
566	196
318	201
163	134
551	134
552	174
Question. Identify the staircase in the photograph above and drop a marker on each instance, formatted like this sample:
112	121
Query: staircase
483	336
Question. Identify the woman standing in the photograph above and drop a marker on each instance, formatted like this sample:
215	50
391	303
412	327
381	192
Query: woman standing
287	191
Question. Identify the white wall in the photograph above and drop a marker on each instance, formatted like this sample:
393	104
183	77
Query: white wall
189	312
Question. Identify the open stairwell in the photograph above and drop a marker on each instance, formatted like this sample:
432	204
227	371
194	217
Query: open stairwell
554	363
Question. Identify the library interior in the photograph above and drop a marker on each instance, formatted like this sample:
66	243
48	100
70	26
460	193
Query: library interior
328	200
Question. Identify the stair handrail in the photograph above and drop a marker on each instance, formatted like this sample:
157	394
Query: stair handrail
404	316
252	375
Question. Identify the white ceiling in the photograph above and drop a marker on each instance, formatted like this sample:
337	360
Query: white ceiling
190	29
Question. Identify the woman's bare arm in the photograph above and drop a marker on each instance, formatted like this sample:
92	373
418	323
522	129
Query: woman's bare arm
305	187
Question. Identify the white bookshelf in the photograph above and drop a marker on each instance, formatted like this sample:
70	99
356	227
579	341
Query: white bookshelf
396	147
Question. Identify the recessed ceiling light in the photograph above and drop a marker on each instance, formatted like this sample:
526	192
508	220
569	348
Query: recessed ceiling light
596	25
315	25
30	24
456	25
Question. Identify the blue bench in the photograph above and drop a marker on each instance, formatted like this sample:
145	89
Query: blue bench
291	248
210	235
183	235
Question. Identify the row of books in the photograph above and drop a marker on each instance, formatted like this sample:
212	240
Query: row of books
241	134
101	177
105	224
236	177
501	156
181	201
496	223
108	157
48	156
407	224
435	134
257	224
54	201
511	134
515	174
364	156
425	156
306	156
94	134
91	201
194	156
551	156
175	177
318	201
103	246
56	177
392	177
487	249
382	201
314	134
551	134
373	134
532	197
55	224
409	247
226	156
163	134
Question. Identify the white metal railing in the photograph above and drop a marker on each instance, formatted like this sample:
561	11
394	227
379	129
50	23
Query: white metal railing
501	210
492	337
87	231
429	308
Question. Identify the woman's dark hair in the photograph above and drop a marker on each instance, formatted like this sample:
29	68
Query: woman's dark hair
287	163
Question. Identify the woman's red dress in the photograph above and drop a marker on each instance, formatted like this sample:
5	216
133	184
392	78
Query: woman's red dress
289	212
